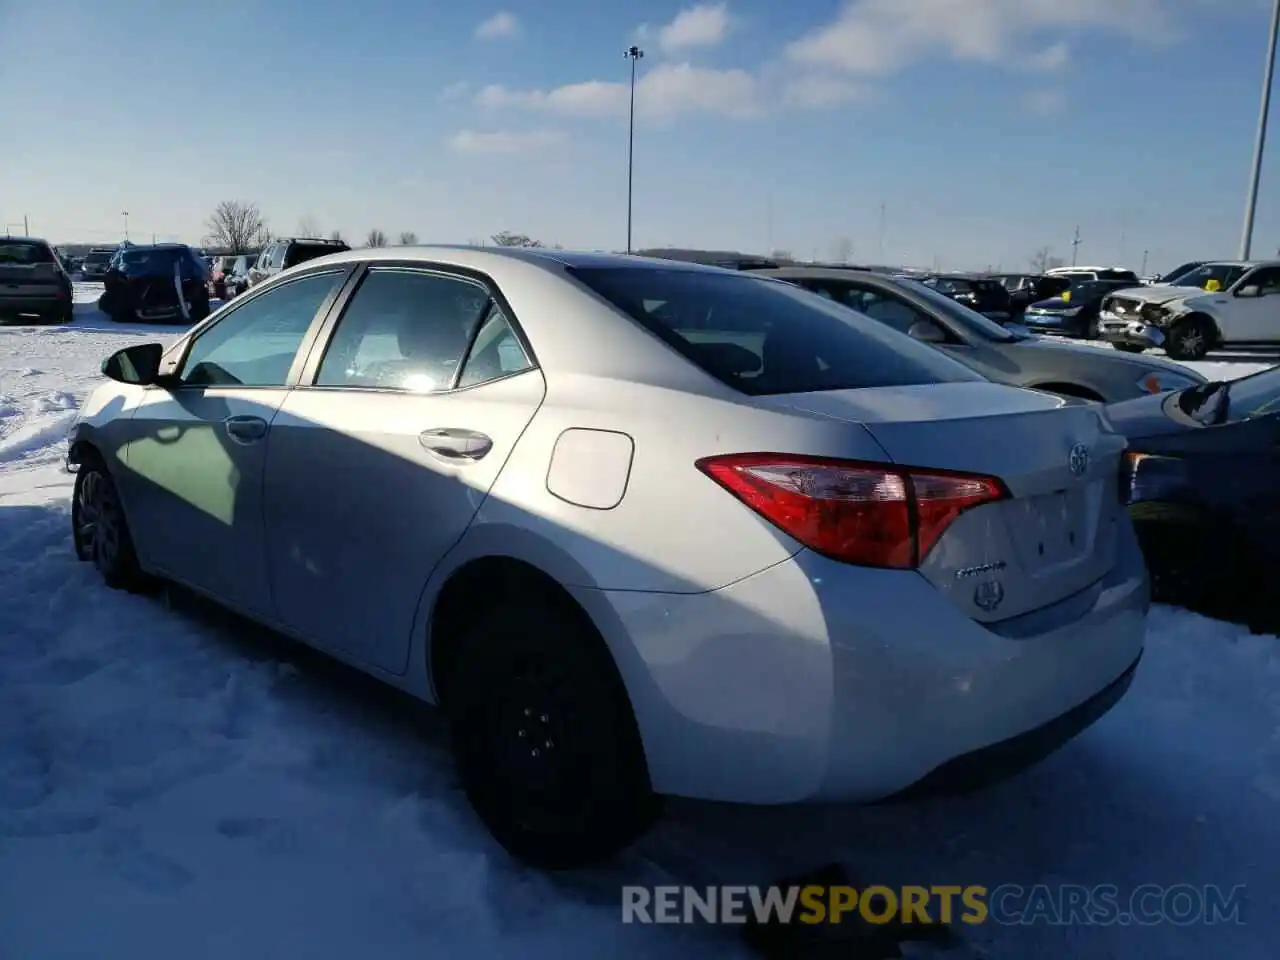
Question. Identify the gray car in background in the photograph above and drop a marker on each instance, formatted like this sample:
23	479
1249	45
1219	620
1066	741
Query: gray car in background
1006	355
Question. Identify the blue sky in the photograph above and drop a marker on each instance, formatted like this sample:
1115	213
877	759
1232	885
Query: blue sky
986	128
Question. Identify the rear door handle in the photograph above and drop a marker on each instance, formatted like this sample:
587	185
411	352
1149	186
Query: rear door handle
245	429
453	443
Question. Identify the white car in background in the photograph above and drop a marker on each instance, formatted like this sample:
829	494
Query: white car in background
1225	303
640	527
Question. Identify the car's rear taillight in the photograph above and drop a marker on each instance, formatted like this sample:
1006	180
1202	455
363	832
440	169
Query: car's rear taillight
870	514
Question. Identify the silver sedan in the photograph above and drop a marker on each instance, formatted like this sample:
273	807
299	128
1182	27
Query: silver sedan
1000	353
641	528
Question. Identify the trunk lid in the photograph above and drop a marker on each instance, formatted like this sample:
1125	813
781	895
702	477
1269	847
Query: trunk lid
1059	458
28	279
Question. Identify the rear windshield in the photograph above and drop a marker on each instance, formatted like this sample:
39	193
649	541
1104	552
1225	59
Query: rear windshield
302	252
765	337
24	252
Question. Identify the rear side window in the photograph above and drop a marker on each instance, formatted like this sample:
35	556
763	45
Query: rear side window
764	337
24	253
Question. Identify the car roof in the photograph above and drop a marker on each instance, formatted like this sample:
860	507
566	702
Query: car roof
485	259
1240	263
16	239
151	247
824	273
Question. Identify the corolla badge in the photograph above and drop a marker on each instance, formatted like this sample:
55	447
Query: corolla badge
1078	460
988	595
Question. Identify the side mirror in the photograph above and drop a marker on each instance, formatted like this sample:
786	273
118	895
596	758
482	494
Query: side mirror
926	332
1250	291
139	364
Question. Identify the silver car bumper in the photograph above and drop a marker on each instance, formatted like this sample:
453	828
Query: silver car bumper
1129	330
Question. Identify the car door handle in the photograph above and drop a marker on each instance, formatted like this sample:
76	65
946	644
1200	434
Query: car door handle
245	429
452	443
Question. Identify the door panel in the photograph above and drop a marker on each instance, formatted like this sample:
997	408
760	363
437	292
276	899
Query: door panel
367	490
195	487
375	471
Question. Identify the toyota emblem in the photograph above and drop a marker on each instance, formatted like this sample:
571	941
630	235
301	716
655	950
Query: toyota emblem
1078	460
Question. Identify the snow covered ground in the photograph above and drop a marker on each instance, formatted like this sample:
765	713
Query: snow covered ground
175	783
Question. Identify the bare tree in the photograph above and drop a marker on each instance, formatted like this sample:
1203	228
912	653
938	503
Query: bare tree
308	226
1043	259
237	226
508	239
408	239
336	236
842	250
375	238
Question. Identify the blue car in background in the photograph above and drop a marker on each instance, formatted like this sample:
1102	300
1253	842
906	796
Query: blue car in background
1203	487
156	283
1074	312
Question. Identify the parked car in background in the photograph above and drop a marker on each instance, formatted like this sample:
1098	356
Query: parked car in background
1177	272
95	263
34	285
288	252
988	297
1028	288
161	283
1002	354
426	480
218	276
1077	274
237	278
1074	312
1228	303
1203	484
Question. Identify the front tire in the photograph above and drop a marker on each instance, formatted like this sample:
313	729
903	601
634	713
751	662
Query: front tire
99	528
1190	338
544	738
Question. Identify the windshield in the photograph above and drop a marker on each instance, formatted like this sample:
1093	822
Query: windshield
1088	289
24	253
1225	273
764	337
970	320
1176	274
97	257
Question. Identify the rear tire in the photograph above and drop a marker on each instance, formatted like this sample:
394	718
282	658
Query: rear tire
543	735
1190	338
99	529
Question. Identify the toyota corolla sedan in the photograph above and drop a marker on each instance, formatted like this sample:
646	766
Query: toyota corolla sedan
641	528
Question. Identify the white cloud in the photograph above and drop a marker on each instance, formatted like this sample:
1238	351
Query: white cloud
1051	58
880	36
504	141
454	91
1046	103
815	92
502	24
662	93
704	25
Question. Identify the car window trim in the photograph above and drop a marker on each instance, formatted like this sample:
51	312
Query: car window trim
174	358
324	334
904	297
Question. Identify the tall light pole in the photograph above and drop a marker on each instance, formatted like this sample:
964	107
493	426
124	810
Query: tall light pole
1251	205
125	214
633	54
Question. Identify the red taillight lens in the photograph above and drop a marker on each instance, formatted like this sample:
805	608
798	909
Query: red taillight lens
871	514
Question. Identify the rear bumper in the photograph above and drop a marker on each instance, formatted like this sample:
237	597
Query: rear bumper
29	309
1129	330
816	681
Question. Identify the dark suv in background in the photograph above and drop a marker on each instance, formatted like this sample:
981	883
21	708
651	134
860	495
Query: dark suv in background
288	252
34	285
988	297
158	283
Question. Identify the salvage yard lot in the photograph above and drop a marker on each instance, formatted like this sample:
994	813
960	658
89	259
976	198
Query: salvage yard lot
177	783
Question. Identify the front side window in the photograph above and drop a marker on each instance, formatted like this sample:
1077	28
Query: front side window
1266	279
255	344
404	330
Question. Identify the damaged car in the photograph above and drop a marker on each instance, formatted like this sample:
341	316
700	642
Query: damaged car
160	283
1225	303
